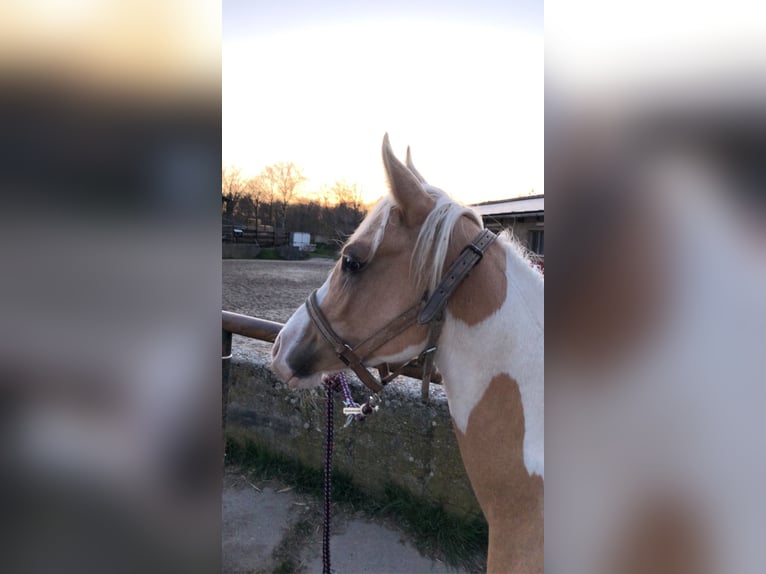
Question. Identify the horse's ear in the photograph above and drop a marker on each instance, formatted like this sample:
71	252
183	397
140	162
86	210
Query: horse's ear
407	191
411	167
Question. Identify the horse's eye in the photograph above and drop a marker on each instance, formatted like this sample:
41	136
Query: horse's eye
350	264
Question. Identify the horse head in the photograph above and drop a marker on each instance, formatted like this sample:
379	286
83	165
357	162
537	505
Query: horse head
387	266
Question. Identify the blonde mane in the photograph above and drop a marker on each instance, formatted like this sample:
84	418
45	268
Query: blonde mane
427	263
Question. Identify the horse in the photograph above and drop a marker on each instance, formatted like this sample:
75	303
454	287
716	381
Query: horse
490	346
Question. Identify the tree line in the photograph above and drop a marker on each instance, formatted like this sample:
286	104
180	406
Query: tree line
271	200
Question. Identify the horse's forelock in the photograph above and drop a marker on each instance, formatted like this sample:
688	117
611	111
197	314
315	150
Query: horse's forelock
374	224
430	251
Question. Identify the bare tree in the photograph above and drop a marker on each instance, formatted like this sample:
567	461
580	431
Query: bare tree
349	194
347	212
232	189
257	192
281	180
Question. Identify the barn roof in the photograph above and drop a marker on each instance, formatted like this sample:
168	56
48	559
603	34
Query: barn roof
516	207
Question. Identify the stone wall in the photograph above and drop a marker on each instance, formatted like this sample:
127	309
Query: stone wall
240	250
406	443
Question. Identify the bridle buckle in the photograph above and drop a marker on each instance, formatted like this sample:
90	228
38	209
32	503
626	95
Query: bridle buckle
342	354
476	249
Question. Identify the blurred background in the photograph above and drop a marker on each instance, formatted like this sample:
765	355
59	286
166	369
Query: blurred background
110	285
656	273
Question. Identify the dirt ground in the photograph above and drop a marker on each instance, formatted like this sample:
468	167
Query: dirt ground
271	289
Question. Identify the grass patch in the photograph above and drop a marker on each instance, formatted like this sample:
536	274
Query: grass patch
284	554
460	541
325	251
268	253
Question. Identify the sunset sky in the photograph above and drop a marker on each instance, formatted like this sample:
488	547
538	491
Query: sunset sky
320	83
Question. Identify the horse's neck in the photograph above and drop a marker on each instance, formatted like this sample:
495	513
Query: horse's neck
506	343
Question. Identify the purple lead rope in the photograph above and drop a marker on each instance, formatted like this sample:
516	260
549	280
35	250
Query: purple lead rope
353	412
357	412
348	400
331	384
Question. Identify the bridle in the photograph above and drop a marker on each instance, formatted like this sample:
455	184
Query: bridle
428	311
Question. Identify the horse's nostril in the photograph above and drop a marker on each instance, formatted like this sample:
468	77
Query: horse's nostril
302	359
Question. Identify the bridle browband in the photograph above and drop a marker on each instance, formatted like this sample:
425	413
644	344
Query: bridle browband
429	310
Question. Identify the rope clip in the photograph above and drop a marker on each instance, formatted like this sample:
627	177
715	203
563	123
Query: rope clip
356	412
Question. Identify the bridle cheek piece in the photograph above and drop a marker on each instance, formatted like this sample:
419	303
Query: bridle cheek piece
428	311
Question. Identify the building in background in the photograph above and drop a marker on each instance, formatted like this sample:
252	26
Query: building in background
524	216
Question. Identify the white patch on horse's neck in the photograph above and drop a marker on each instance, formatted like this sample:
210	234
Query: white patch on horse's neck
509	341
